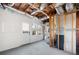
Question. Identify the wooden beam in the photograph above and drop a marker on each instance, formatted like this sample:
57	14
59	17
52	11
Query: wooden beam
16	5
23	6
64	31
51	30
58	30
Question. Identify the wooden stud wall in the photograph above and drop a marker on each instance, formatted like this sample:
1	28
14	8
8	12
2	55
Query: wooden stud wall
52	23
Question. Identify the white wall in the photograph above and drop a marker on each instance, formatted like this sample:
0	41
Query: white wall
11	34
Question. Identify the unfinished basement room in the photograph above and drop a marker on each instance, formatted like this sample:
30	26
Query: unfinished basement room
39	29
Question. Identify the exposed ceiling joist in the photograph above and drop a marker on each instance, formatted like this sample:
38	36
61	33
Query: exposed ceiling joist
40	10
23	6
34	5
16	5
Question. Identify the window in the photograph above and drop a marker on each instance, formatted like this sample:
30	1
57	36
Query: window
36	29
39	30
25	27
34	32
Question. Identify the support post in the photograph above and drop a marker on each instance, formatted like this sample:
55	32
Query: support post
51	30
55	26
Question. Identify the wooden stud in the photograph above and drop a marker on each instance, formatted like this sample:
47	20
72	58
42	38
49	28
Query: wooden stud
72	31
58	30
55	25
54	28
51	30
64	31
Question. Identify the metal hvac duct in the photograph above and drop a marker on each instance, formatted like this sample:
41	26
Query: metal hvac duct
69	7
58	4
42	6
59	10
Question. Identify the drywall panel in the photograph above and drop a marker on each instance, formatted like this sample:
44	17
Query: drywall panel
68	33
74	41
11	30
69	39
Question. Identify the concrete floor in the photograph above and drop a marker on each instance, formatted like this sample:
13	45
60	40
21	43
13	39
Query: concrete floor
38	48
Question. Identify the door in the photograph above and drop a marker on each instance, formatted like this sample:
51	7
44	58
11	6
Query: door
77	32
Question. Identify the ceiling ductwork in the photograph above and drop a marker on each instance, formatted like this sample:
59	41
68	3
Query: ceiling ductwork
65	8
69	7
42	6
40	10
59	8
43	10
58	4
